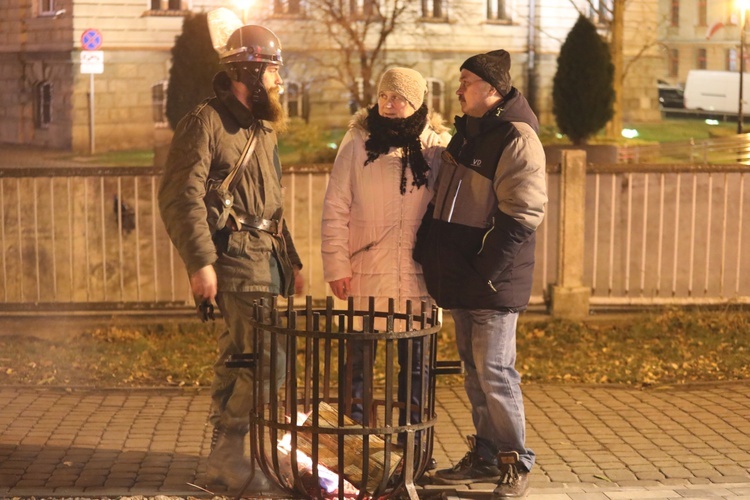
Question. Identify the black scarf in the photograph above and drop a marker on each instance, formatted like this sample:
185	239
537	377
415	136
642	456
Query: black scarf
387	133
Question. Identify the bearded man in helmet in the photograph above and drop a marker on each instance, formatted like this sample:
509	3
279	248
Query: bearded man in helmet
250	255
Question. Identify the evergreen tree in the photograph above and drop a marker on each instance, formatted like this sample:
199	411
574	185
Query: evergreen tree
194	64
583	92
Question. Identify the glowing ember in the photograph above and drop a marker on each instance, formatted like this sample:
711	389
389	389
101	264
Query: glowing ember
329	480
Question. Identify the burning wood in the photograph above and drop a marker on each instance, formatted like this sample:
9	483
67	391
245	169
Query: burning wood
328	460
329	480
328	445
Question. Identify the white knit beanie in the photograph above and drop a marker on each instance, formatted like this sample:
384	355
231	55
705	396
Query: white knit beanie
407	83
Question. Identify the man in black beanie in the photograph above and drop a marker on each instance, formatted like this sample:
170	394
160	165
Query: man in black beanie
476	246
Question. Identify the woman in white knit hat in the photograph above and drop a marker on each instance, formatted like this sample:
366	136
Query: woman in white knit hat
379	188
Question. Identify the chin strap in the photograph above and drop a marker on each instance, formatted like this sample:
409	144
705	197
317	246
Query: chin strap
252	76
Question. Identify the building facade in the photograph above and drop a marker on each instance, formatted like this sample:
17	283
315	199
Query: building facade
46	100
698	34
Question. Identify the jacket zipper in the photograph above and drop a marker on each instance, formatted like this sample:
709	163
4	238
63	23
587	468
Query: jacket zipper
455	196
484	238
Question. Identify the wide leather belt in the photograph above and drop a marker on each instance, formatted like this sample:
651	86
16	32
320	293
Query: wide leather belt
246	222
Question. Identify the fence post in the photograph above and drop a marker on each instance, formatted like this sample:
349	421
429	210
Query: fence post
570	299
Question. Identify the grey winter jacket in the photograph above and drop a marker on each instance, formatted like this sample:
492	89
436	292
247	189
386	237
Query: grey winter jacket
206	144
476	242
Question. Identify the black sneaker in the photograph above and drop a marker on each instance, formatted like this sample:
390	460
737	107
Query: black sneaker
514	482
471	469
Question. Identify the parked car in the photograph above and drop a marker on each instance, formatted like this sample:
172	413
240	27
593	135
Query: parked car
670	96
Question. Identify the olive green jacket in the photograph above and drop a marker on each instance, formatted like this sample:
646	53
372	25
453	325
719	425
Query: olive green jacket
206	145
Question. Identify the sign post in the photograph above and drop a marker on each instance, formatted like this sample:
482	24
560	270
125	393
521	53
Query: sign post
92	62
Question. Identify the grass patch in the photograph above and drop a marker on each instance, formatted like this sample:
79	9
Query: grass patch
681	129
666	130
671	347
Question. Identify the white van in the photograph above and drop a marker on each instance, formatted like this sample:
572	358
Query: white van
716	91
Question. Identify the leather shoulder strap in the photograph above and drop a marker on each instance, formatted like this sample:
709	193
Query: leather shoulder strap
231	180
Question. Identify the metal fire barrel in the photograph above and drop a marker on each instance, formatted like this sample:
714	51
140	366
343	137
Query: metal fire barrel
327	425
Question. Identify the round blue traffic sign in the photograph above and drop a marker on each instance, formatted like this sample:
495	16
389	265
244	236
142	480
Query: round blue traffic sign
91	39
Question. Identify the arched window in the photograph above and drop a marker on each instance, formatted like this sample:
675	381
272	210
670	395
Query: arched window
43	104
435	91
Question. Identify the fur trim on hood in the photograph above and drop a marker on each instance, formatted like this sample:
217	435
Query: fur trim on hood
434	120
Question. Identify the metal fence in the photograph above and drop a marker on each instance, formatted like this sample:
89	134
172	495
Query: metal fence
719	150
85	237
88	238
666	234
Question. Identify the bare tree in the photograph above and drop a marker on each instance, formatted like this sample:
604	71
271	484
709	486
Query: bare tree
352	36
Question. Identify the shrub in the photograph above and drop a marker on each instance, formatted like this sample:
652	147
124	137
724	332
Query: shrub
582	90
194	64
308	141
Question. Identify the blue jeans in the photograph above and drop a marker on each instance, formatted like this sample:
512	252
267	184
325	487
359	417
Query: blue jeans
486	342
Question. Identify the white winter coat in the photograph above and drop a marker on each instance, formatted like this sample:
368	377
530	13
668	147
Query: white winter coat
369	227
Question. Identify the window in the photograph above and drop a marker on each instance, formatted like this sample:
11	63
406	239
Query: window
287	7
498	10
600	11
362	8
293	99
166	4
433	9
674	17
731	60
46	7
700	59
43	104
435	95
702	12
674	62
159	104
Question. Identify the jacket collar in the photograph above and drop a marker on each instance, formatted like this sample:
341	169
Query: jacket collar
223	88
513	108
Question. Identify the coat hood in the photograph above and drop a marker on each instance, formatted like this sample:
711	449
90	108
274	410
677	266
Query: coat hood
514	108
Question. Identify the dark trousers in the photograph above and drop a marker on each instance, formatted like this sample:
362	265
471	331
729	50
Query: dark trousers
358	351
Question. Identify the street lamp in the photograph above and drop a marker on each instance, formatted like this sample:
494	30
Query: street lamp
743	10
244	5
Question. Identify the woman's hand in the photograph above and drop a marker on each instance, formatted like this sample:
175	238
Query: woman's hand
341	287
299	281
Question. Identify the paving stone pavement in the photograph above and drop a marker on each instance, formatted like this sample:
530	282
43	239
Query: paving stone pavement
592	442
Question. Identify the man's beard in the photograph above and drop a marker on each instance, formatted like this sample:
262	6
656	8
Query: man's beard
272	110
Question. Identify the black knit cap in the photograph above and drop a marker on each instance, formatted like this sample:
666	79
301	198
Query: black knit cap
492	67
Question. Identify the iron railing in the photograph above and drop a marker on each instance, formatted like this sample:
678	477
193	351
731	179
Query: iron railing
92	238
719	150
